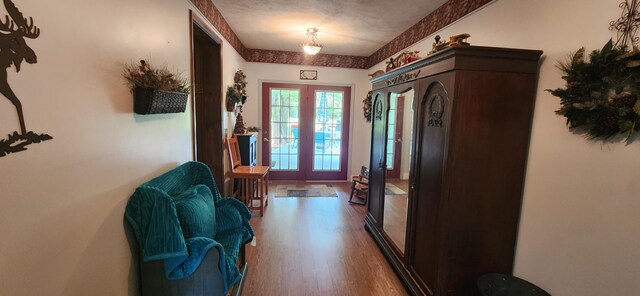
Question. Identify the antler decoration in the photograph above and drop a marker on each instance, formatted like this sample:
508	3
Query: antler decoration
27	28
627	25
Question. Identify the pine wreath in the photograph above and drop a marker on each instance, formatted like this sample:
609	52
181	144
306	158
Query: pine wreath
366	107
601	95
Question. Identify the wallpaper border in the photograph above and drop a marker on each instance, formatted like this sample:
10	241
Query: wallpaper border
443	16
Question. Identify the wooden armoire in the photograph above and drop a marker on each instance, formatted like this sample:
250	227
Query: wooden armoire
472	111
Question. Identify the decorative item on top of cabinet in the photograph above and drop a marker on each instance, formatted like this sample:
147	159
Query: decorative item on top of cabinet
438	45
14	50
470	114
239	128
402	59
253	129
376	74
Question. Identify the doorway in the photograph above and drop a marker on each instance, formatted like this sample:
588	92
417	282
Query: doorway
306	131
207	102
394	135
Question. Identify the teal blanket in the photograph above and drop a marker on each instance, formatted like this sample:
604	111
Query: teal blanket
151	211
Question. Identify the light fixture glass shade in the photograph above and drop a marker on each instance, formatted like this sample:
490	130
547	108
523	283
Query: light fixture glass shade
311	49
311	46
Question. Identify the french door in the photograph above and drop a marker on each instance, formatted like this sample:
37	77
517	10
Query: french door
305	131
394	136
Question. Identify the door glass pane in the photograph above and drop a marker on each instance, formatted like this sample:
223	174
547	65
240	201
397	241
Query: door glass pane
391	131
284	134
328	130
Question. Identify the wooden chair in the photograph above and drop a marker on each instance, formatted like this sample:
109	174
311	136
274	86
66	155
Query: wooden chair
360	185
253	181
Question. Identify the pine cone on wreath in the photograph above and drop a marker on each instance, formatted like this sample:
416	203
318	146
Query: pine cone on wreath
607	124
573	88
626	100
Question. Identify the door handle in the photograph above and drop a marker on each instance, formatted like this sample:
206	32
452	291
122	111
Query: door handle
265	139
399	140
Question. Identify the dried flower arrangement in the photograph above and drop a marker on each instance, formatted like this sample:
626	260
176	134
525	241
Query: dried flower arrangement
143	74
237	93
156	90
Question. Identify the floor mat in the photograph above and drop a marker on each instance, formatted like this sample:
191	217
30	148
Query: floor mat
319	190
391	189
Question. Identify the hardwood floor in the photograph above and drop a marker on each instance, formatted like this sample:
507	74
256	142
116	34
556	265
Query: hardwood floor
395	214
316	246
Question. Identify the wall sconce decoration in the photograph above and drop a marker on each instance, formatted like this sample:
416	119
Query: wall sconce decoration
627	25
14	50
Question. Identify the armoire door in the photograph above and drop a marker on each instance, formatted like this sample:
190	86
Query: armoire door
378	155
432	120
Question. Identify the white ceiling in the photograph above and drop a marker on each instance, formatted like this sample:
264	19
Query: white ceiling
346	27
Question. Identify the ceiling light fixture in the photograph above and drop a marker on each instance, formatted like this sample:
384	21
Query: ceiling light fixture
311	46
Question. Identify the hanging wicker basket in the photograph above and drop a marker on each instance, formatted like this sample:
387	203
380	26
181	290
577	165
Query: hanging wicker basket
153	101
230	103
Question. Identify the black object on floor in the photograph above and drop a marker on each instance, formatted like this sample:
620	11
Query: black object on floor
495	284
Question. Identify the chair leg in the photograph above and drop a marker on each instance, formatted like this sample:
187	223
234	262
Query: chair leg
353	190
262	195
266	189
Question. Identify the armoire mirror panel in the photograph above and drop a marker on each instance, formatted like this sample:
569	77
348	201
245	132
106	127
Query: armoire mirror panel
398	154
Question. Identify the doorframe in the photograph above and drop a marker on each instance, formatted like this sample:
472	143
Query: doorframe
220	172
351	114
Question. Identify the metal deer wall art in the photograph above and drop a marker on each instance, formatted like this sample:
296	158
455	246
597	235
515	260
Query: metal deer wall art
13	51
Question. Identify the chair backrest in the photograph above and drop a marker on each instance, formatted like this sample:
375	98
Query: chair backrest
233	150
185	176
364	172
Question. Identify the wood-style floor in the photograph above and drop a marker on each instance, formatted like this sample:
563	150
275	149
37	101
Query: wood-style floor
395	214
316	246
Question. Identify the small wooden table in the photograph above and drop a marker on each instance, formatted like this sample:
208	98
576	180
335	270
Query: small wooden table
253	185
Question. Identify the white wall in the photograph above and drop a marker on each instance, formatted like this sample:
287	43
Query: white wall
360	130
62	201
579	230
